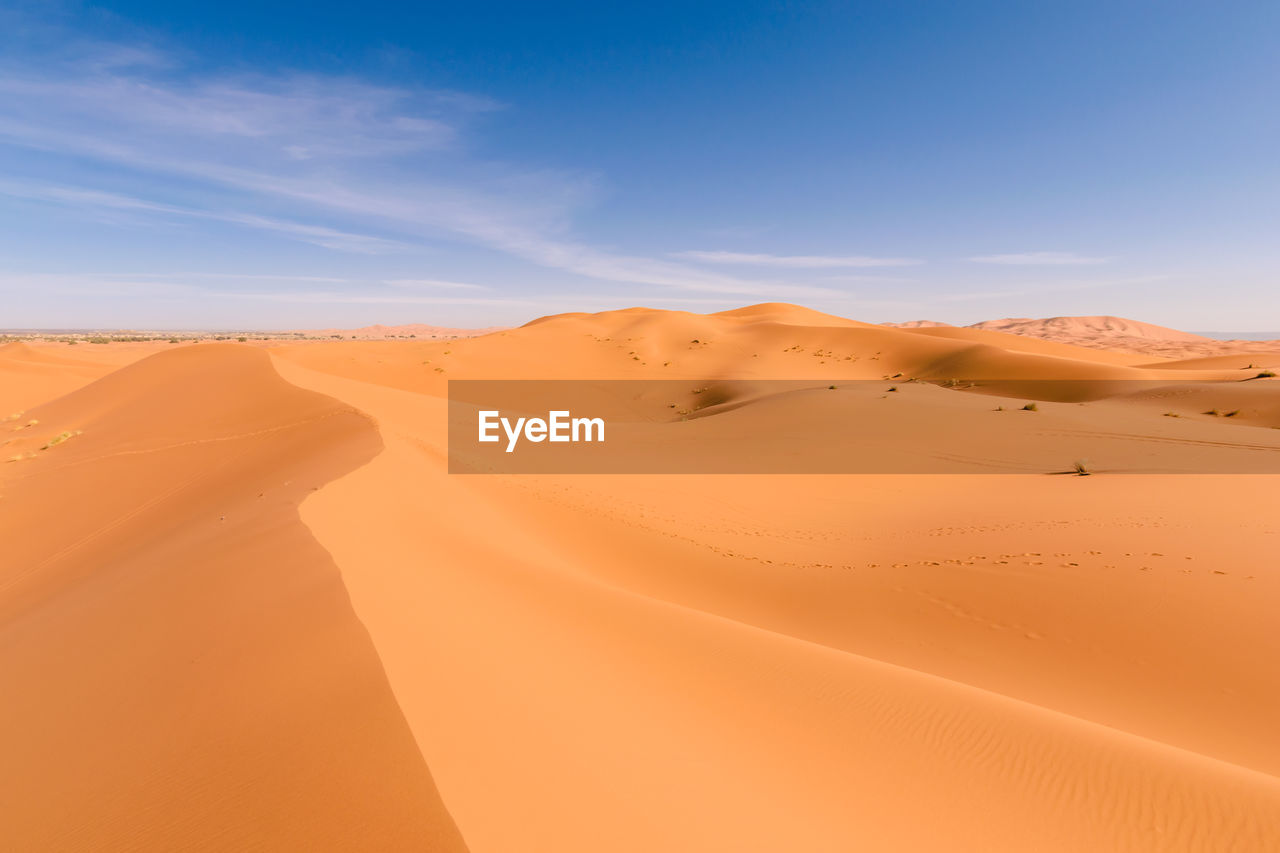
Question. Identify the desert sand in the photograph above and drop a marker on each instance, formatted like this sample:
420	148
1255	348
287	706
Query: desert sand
243	604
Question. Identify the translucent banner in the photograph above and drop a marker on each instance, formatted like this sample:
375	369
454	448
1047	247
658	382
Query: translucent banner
991	426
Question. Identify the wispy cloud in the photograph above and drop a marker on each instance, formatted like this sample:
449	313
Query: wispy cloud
93	284
220	276
1047	259
1049	287
251	286
330	238
339	163
794	261
298	116
864	279
431	283
326	298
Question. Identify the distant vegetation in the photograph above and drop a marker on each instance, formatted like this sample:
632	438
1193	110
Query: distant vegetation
59	439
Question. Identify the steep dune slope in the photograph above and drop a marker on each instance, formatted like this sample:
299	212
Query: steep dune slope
182	665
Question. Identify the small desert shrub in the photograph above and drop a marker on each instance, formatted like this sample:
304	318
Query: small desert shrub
99	340
58	439
893	388
242	340
832	388
1172	415
1081	467
1030	407
174	341
999	408
1214	412
1232	413
1266	374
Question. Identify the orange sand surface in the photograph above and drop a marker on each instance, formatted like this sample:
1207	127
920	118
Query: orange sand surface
242	604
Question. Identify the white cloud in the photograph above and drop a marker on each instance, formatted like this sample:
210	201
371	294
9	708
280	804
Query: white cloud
1038	259
323	279
189	285
319	235
345	156
426	283
1052	287
301	116
794	261
326	298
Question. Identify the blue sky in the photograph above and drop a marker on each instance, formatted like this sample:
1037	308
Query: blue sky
287	165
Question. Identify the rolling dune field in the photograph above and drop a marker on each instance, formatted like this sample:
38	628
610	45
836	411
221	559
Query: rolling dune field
244	605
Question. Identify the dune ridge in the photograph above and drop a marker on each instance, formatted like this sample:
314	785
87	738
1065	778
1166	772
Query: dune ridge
190	672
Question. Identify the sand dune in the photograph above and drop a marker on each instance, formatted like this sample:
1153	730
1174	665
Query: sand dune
1072	329
1115	334
249	605
30	374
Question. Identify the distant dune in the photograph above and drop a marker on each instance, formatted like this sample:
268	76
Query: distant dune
919	324
1113	333
243	603
1069	329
